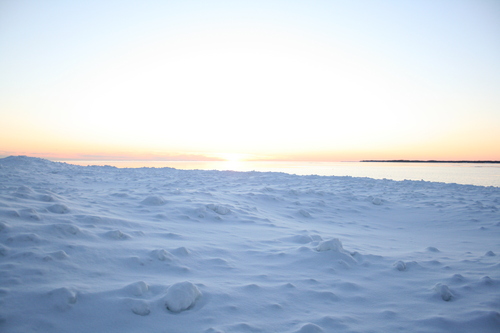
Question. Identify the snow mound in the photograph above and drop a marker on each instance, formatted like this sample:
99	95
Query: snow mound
400	265
26	161
487	281
58	209
331	245
432	249
302	239
181	296
181	251
221	210
22	238
3	250
59	255
443	291
45	198
9	213
137	288
63	298
31	214
117	234
4	226
310	328
140	307
162	255
154	200
66	229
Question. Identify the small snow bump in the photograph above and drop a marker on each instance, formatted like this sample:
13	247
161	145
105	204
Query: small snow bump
63	298
213	330
252	287
120	195
304	213
140	307
181	296
276	306
3	250
24	189
244	327
343	263
59	255
299	239
330	245
4	226
66	229
443	291
221	210
31	214
24	238
432	249
45	198
154	200
487	281
304	249
457	278
117	234
59	209
9	213
137	288
181	251
171	235
310	328
218	262
400	265
162	255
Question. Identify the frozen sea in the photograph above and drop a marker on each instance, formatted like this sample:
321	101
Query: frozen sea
106	249
482	174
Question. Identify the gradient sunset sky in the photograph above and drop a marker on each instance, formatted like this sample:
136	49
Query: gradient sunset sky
284	80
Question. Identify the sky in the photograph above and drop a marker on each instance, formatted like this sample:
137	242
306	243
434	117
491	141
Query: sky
255	80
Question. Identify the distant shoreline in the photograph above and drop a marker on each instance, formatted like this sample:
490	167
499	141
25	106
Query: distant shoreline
428	161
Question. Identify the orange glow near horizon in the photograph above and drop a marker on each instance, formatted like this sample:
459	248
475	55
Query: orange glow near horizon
464	144
437	152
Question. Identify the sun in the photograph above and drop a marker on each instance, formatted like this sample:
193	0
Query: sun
232	157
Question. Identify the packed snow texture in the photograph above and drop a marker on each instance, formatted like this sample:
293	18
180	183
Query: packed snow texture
101	249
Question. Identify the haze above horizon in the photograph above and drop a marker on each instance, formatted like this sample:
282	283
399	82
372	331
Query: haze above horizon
259	80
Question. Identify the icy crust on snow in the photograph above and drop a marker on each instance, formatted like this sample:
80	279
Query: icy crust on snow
101	249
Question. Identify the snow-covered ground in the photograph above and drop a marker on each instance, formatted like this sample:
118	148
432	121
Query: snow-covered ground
101	249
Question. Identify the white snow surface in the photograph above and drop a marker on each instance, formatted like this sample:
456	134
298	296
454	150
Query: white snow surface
102	249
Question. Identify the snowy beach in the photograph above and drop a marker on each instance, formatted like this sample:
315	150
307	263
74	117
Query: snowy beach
102	249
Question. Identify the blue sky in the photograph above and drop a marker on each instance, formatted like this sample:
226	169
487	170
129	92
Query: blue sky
315	80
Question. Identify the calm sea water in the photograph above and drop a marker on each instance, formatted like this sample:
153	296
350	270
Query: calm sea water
460	173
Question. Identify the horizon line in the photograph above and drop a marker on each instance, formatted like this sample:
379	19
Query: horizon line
216	159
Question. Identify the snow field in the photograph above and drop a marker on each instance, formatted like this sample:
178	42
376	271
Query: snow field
163	250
